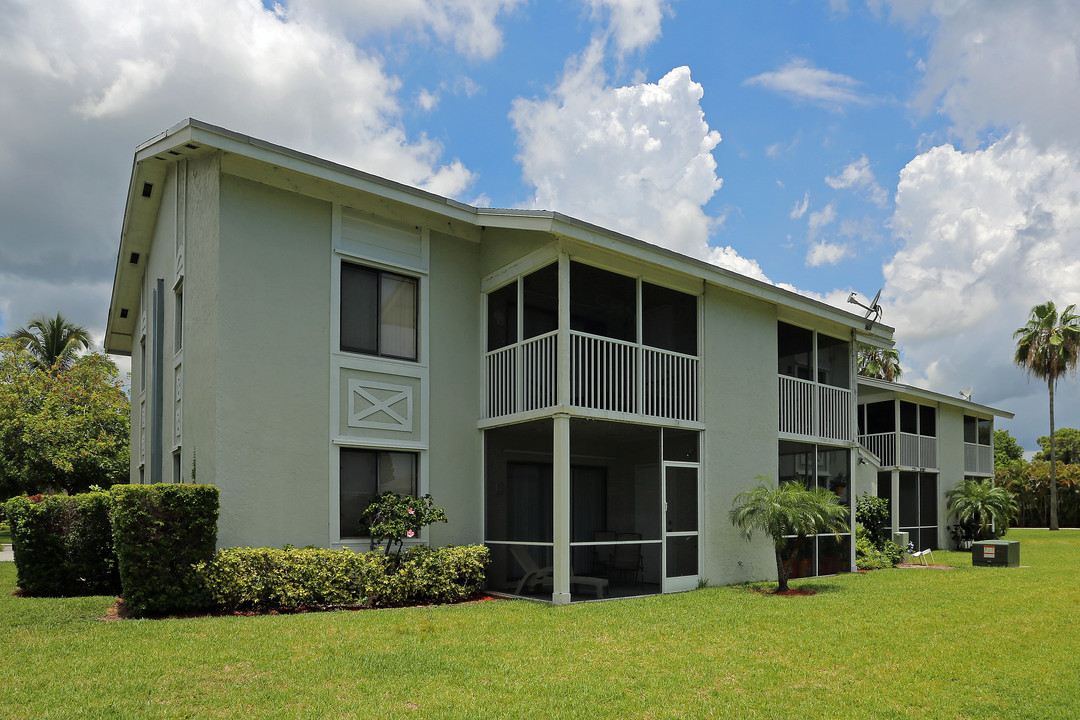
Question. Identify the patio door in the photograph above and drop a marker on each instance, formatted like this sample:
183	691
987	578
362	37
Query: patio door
681	526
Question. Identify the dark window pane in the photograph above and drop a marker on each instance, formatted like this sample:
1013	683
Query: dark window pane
795	347
682	505
909	422
861	414
927	421
970	429
603	303
668	319
681	445
985	436
397	472
541	298
359	309
588	503
834	361
518	495
884	487
682	556
880	417
927	499
502	317
358	484
909	499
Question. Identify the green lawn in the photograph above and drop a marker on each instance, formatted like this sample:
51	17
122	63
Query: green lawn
906	643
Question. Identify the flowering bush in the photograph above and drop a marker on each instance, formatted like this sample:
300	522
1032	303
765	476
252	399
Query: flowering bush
391	518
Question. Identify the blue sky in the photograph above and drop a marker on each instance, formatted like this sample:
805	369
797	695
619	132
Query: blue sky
925	147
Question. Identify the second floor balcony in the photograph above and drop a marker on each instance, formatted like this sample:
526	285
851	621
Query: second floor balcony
901	449
604	374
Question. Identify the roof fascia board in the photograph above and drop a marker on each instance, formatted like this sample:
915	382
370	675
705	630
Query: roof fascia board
923	394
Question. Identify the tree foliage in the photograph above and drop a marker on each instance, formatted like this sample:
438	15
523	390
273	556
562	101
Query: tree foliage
61	430
1029	484
1066	443
984	504
51	344
1006	449
879	363
1046	348
790	509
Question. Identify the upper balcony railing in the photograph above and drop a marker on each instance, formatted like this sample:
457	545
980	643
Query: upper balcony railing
605	374
978	459
814	410
902	449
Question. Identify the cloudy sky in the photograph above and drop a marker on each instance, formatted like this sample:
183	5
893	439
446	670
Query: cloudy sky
927	147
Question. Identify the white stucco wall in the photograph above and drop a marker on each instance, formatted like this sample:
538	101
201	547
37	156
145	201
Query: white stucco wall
741	398
271	460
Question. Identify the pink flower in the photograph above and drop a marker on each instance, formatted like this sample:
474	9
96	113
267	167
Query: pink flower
409	534
411	511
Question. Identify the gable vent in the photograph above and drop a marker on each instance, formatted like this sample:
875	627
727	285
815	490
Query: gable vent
123	312
147	189
134	259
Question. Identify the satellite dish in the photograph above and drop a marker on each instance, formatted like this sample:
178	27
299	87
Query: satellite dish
872	309
966	394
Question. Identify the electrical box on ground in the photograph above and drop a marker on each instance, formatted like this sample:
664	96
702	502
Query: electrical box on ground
996	553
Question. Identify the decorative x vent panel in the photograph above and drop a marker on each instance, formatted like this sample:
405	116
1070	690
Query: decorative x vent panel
380	405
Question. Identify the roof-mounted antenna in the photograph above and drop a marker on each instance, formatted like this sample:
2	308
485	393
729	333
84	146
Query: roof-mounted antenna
872	309
966	394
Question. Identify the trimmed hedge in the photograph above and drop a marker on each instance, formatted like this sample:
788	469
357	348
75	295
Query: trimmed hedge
289	579
160	532
63	545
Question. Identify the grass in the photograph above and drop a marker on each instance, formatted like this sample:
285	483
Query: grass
906	643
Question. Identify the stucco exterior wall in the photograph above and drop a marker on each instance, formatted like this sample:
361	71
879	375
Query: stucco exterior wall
740	393
272	375
950	462
456	473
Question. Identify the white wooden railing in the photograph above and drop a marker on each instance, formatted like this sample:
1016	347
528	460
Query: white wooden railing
605	374
902	449
978	458
813	410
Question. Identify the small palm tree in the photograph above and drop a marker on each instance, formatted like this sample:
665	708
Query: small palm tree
983	503
51	342
879	363
787	510
1047	348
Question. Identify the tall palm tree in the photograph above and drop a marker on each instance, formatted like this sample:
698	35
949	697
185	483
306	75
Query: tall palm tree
51	342
879	363
982	503
789	509
1047	347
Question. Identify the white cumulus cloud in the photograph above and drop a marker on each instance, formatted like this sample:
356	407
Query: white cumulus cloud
633	23
858	176
800	207
985	236
636	158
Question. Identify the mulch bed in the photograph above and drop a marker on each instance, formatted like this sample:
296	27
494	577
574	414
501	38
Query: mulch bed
920	566
790	592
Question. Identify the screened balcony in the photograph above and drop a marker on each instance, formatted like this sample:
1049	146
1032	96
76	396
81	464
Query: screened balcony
632	345
913	445
978	445
815	384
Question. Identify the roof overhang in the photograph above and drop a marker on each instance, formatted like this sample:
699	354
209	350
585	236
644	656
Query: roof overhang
911	392
286	168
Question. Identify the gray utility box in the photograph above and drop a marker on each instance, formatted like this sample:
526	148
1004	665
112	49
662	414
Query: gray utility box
996	553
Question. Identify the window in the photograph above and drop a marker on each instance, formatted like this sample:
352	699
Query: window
668	319
978	431
540	308
603	303
176	467
142	363
178	326
366	473
378	312
795	347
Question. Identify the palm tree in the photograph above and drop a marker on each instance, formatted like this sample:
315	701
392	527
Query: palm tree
789	509
1046	347
51	342
879	363
983	503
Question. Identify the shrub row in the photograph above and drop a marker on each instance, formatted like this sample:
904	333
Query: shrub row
875	556
63	545
161	531
289	579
